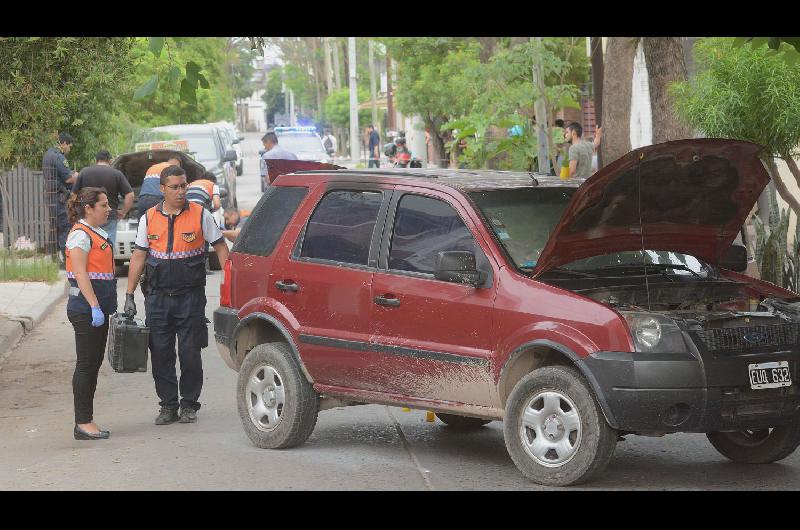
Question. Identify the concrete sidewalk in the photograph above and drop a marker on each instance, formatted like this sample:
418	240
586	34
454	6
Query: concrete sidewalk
23	306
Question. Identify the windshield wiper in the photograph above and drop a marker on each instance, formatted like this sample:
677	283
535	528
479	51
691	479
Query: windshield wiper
659	266
562	270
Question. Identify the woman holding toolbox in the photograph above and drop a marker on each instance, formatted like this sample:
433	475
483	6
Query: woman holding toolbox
92	298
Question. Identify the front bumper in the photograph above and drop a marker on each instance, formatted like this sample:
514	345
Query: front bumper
691	392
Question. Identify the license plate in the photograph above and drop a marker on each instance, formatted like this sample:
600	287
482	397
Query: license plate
770	375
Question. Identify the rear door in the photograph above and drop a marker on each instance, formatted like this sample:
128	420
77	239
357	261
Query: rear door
325	283
430	339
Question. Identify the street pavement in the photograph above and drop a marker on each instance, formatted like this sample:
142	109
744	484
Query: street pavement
369	447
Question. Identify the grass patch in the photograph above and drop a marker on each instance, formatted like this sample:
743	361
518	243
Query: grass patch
27	266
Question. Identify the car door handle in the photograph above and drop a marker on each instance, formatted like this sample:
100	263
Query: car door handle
283	286
389	302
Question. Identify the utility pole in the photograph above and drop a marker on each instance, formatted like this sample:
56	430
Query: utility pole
372	88
328	67
355	143
389	101
540	111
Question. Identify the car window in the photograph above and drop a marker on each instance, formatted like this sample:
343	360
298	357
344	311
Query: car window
341	227
269	219
523	219
423	227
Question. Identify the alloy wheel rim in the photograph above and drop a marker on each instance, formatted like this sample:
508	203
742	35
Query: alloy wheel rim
266	397
550	429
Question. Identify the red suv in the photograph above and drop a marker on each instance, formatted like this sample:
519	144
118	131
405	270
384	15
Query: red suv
576	312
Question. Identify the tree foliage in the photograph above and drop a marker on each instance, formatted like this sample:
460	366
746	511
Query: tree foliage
50	84
337	108
743	93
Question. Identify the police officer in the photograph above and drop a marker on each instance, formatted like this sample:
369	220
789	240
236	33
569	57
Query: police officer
171	245
58	183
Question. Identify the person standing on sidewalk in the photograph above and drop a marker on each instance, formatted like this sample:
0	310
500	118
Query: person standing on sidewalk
373	146
580	152
150	193
102	175
92	297
171	245
58	179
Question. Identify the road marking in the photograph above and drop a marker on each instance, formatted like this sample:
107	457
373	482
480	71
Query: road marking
422	471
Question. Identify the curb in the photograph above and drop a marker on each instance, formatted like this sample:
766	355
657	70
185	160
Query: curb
15	327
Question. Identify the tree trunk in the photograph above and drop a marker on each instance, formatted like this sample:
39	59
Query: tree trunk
488	45
311	44
336	71
328	68
515	41
783	191
666	64
436	140
617	98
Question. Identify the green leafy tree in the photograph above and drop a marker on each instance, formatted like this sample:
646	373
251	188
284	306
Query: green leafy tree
746	93
51	84
337	108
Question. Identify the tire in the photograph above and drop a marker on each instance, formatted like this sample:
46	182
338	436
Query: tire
762	446
462	422
213	261
587	441
282	425
240	169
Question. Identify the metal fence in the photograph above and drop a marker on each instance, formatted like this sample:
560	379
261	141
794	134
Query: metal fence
25	211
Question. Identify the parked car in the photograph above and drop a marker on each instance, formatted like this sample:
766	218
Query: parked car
575	312
134	166
304	142
234	140
208	144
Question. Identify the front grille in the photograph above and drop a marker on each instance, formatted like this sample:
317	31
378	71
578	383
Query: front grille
749	337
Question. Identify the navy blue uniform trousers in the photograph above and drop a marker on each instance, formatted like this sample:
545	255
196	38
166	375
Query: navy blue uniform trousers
182	316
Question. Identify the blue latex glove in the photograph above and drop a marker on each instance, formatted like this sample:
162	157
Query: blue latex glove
98	318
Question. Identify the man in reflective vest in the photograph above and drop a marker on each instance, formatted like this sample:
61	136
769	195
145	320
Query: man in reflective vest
150	193
171	244
204	191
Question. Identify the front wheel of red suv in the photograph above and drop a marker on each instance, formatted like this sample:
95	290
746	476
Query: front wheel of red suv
277	405
554	429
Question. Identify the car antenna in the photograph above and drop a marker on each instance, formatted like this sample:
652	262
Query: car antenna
533	178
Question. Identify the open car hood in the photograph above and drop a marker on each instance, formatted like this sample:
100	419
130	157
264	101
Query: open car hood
687	196
134	165
277	166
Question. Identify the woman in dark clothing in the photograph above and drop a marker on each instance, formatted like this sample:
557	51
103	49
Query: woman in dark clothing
92	297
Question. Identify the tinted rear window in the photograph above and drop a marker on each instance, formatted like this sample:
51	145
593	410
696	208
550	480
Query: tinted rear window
269	219
341	227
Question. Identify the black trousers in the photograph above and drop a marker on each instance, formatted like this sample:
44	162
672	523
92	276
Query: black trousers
90	345
182	316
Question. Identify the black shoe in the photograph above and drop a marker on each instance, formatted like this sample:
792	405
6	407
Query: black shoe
167	415
80	434
188	416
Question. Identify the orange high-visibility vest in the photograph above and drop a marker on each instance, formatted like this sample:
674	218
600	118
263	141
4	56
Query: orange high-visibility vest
204	184
176	254
100	268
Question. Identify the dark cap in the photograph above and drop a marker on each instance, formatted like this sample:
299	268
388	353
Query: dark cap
103	155
65	138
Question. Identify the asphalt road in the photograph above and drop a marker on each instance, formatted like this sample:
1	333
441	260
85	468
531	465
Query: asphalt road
368	447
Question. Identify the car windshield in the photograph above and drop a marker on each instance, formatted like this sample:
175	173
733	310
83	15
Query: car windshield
634	262
202	145
523	219
297	143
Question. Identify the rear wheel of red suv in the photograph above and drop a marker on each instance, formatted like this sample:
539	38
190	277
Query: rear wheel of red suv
554	429
277	405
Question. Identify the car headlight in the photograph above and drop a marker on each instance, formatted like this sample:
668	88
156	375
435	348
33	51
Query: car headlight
654	333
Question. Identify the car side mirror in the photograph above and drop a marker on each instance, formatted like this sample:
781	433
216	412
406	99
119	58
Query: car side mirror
236	140
230	156
241	138
736	259
458	266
